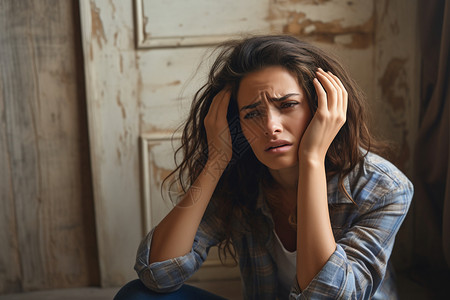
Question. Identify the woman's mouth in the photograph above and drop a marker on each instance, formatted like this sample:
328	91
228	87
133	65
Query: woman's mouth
279	148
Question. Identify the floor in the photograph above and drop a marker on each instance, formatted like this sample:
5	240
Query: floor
408	290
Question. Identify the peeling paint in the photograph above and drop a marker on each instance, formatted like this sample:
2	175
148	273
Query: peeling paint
393	22
159	173
98	32
120	104
394	85
159	162
116	35
112	6
153	129
126	143
313	2
155	87
356	37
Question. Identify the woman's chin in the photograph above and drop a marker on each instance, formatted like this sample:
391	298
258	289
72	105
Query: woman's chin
281	164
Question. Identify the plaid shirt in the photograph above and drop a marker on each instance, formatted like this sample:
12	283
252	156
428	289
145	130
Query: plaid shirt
364	234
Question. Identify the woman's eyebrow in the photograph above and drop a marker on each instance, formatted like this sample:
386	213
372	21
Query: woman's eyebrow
284	97
253	105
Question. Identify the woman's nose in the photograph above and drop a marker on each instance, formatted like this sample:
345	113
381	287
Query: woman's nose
273	124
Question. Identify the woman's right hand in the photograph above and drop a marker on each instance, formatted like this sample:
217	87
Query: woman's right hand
217	131
174	235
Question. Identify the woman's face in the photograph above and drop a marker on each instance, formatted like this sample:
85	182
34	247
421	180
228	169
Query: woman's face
274	114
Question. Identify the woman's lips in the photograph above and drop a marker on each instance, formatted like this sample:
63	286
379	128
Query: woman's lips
279	149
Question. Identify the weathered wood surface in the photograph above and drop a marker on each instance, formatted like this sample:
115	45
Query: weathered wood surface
113	84
166	24
47	237
134	91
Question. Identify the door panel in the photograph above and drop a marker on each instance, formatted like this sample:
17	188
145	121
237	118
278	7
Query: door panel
197	22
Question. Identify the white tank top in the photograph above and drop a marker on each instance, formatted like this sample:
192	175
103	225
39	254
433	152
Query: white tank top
287	268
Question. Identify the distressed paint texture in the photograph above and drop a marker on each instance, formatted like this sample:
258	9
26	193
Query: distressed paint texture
46	214
112	84
379	35
343	23
396	68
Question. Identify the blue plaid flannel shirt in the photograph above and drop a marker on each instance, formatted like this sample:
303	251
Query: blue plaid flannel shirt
364	233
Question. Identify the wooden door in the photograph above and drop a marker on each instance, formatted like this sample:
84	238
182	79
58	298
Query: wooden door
141	60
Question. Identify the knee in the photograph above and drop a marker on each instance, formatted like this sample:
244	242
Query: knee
134	290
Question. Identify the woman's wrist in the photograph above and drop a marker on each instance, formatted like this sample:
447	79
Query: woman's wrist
311	159
215	167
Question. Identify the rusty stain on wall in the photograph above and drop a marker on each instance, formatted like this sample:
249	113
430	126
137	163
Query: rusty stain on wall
394	85
357	37
98	32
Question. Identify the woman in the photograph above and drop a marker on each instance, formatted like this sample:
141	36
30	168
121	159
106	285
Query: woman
280	171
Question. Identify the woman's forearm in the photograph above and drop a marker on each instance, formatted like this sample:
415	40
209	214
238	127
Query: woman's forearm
315	240
174	235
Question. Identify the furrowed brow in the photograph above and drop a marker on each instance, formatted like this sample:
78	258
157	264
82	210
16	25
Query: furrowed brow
284	97
253	105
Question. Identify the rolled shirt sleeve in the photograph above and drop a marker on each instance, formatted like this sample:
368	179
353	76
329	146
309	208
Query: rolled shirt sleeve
357	267
169	275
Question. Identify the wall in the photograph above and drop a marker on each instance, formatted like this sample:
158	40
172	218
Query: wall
376	41
47	232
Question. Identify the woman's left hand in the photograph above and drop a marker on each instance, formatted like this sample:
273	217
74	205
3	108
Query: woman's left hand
328	119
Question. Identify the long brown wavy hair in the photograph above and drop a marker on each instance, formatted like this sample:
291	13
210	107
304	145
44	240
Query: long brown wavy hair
238	187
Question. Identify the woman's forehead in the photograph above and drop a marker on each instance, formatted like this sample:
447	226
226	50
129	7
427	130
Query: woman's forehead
270	82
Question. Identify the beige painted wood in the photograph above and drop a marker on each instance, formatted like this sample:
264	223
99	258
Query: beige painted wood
131	94
140	78
46	234
166	24
397	97
113	83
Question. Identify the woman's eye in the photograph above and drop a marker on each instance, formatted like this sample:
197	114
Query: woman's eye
288	104
252	114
